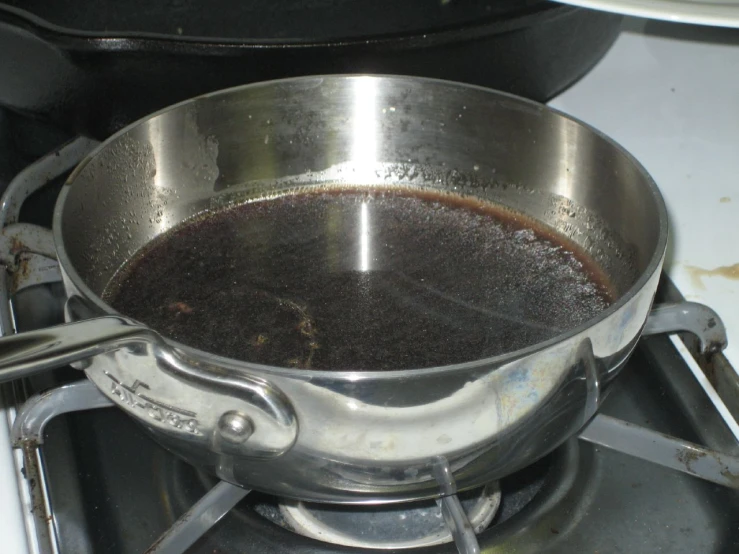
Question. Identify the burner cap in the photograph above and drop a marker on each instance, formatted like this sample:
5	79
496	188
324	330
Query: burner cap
407	525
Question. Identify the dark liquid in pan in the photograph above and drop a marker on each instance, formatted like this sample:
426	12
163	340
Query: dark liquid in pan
360	279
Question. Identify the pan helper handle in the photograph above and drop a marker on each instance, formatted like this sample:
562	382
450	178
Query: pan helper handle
32	352
692	317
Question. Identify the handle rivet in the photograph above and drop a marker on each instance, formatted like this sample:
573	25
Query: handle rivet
235	427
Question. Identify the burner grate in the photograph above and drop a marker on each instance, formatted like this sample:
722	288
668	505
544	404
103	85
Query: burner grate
401	526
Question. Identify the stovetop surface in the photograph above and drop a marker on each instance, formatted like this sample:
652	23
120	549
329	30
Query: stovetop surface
114	490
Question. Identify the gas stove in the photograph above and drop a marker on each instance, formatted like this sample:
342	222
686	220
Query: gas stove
99	484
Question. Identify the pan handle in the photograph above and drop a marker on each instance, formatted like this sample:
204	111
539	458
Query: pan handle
32	352
692	317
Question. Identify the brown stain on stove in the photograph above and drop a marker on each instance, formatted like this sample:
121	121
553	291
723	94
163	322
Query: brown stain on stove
21	272
725	199
730	476
17	246
698	273
688	457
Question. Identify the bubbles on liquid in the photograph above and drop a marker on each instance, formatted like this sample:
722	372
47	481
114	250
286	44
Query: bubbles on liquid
525	235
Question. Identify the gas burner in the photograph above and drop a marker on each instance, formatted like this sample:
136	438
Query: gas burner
398	526
548	493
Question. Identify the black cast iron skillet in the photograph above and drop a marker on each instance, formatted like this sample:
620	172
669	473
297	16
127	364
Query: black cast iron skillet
92	67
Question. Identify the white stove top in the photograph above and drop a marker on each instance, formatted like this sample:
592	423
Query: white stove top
670	95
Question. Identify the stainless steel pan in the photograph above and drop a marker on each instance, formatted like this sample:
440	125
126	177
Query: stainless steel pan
350	436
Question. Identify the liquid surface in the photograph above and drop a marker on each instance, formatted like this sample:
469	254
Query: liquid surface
360	279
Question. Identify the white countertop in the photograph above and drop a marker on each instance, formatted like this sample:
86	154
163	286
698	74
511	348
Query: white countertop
669	93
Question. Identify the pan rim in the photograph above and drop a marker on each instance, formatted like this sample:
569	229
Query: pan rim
204	357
